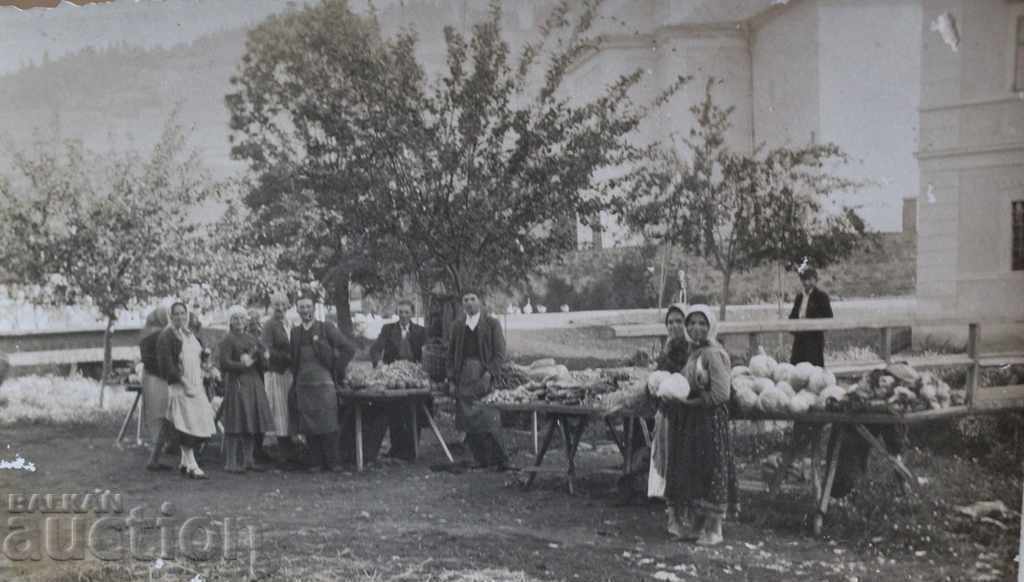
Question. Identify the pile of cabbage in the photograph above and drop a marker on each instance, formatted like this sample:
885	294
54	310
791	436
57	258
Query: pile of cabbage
899	388
771	388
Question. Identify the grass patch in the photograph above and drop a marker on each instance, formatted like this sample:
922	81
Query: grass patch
55	400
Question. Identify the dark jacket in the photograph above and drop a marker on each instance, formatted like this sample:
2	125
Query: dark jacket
673	358
276	341
809	346
168	350
332	348
148	351
491	341
390	340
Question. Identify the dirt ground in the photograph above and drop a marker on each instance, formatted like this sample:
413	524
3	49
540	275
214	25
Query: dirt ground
401	521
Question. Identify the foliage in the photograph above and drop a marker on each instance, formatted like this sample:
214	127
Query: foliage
465	181
739	211
112	228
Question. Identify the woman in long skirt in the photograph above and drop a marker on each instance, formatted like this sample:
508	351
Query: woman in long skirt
189	411
668	431
706	458
246	412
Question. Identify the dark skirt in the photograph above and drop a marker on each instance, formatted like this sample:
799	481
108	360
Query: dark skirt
246	409
674	418
706	462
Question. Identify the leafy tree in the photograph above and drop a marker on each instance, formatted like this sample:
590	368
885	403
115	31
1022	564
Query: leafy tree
113	228
739	211
462	182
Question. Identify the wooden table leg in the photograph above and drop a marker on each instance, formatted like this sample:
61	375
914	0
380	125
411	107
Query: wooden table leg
627	438
138	421
614	434
552	424
536	433
826	491
878	446
415	429
645	431
358	409
128	418
437	432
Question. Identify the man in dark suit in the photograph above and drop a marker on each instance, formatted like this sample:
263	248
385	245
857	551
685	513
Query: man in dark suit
813	303
476	352
402	340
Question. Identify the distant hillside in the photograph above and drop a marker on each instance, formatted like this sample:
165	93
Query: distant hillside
108	97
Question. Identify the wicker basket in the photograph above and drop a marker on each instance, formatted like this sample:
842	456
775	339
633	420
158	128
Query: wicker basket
434	356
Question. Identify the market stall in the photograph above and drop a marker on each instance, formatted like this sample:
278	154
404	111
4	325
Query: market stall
401	382
569	402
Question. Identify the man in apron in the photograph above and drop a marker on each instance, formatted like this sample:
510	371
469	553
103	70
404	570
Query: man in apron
320	355
476	351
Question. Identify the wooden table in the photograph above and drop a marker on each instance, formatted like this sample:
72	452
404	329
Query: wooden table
416	401
572	421
859	422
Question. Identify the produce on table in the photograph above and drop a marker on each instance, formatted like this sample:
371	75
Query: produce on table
762	365
783	373
786	388
633	396
743	383
399	375
802	402
675	387
542	363
801	377
510	376
829	397
543	373
745	398
821	379
519	395
773	401
740	371
762	384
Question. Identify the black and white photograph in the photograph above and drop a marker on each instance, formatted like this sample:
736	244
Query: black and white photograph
511	290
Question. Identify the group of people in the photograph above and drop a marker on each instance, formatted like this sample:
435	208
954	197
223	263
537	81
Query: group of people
281	380
691	463
278	379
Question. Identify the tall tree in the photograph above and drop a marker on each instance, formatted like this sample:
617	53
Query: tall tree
114	228
462	182
739	211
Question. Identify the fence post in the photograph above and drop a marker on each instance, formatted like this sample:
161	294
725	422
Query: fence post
886	347
973	335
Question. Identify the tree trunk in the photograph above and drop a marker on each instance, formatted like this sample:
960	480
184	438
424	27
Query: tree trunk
108	355
726	280
341	298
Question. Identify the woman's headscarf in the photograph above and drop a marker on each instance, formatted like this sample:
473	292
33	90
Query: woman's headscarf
155	321
680	307
712	322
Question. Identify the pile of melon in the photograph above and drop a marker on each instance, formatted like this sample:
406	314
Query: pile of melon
779	389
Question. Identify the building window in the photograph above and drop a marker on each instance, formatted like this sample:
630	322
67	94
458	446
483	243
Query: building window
1018	48
1018	235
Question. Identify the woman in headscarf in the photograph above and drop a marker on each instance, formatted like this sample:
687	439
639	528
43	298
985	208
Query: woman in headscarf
246	411
706	456
666	452
179	354
154	388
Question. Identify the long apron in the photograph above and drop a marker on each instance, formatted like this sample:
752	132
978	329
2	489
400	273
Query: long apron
314	399
470	415
191	415
279	386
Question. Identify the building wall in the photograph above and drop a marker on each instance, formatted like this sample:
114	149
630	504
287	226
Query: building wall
972	163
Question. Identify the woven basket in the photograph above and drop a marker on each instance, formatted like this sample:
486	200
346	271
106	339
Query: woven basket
434	356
